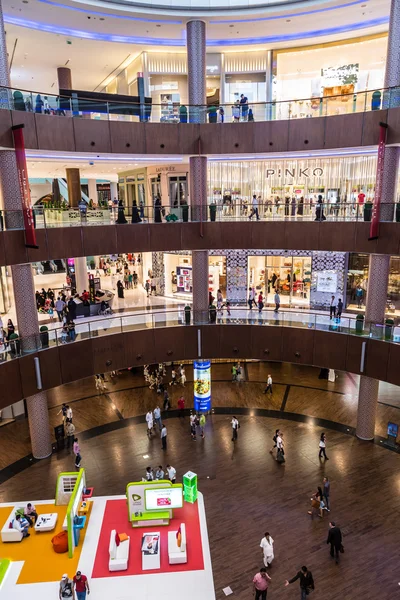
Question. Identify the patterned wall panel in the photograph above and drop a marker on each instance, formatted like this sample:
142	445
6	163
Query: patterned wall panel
27	316
389	182
379	265
4	69
196	61
198	187
157	265
367	403
9	190
39	425
392	74
200	286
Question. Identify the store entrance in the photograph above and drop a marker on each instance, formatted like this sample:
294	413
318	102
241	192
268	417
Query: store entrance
178	195
290	275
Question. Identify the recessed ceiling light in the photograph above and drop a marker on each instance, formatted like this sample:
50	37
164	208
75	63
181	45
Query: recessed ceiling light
363	5
288	20
158	25
231	26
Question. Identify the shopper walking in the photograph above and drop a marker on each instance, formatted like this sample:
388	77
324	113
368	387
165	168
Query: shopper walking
70	433
171	473
60	306
235	426
339	309
66	590
269	385
81	586
332	308
193	426
261	581
280	448
149	421
182	379
335	540
326	490
181	407
234	373
202	422
274	439
267	547
77	452
164	437
317	503
277	300
322	446
260	302
157	416
306	582
166	404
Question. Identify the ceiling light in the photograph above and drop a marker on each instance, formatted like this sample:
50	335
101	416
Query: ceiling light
288	20
231	26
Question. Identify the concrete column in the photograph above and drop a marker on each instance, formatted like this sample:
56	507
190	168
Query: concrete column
92	193
198	187
196	62
74	187
64	78
81	274
39	427
200	286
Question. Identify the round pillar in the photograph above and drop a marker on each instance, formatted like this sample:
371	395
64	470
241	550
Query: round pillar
196	66
92	191
366	413
74	187
39	425
200	286
81	274
114	190
389	183
10	190
25	304
198	187
64	78
392	72
378	276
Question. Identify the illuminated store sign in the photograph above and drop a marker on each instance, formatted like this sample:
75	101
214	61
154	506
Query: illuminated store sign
295	173
202	385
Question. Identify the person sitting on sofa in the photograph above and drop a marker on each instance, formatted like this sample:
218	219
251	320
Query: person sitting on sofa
30	513
21	524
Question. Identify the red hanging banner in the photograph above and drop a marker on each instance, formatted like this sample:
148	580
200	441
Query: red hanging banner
29	223
376	210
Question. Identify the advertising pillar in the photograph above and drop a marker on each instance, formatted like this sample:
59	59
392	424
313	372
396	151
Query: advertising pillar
190	487
202	385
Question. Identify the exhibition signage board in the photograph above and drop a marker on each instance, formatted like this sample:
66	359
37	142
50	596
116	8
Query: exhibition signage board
202	385
135	493
163	498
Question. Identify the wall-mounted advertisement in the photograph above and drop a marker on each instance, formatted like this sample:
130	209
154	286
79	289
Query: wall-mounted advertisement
163	499
327	281
202	385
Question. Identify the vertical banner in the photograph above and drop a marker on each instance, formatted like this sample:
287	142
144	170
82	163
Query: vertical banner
202	385
376	210
29	223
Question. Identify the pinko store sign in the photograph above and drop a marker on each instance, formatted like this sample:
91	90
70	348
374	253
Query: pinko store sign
295	173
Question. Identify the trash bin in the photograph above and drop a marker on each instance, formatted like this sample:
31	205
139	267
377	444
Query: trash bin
44	336
213	313
389	324
188	311
359	324
213	212
368	211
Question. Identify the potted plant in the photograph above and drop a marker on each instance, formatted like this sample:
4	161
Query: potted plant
389	324
44	336
359	323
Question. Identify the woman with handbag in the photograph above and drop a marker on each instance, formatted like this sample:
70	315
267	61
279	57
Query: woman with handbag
235	427
317	503
322	446
280	453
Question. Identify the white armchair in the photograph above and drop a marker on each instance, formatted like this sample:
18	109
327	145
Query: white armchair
119	555
177	554
10	534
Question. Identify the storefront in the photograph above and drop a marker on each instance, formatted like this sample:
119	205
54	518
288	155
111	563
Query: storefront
357	283
297	182
326	70
177	275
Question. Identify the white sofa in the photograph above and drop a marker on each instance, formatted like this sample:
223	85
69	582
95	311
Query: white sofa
119	555
176	554
11	535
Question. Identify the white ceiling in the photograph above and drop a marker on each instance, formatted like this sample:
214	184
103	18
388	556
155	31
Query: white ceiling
36	53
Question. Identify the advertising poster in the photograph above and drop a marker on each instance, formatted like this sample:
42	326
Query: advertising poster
202	385
327	282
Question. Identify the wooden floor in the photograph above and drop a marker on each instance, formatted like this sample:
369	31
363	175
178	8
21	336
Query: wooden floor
247	493
297	390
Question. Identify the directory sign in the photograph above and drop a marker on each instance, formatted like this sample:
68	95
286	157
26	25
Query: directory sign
202	385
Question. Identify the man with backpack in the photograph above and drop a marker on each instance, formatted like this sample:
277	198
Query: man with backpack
66	591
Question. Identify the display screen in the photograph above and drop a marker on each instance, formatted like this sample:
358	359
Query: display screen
163	498
202	385
392	429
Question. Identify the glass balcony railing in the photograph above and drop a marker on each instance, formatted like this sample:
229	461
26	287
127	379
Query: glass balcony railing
16	346
80	107
266	212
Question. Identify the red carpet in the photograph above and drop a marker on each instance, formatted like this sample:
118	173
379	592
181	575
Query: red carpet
116	517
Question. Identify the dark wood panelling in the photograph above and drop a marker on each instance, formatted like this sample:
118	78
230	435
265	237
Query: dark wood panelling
337	236
306	134
210	138
236	138
343	131
133	238
189	139
14	244
27	119
377	357
6	138
140	347
191	236
371	128
266	343
76	360
10	383
128	138
101	239
170	344
91	135
302	235
41	253
237	235
3	260
28	375
162	138
330	350
210	341
50	368
353	356
393	120
298	345
263	235
108	353
393	371
165	237
389	239
55	134
278	137
362	242
236	341
65	242
190	343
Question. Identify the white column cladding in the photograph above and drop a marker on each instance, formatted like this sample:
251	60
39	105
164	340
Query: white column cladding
200	286
81	274
392	72
196	67
366	413
92	185
39	426
114	190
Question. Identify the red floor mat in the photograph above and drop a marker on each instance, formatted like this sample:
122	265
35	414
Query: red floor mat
116	517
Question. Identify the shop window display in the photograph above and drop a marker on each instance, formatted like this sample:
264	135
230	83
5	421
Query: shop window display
357	283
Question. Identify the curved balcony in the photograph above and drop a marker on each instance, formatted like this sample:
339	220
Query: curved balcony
145	338
106	127
74	236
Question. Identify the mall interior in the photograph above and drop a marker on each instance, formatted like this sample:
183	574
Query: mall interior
199	299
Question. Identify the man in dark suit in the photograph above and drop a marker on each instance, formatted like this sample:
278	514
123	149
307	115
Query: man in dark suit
335	540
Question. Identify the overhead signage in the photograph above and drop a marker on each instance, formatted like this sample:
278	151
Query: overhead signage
295	173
